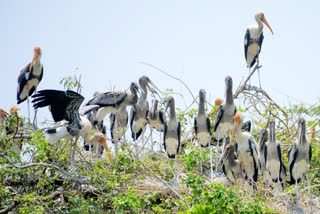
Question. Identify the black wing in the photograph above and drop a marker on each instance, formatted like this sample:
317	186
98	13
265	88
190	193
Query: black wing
218	118
310	152
195	126
246	42
265	154
161	117
260	41
62	103
112	121
291	162
179	135
164	136
280	158
209	125
41	74
108	99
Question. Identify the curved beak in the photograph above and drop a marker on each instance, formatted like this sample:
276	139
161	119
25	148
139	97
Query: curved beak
33	60
154	108
234	128
154	89
267	24
105	146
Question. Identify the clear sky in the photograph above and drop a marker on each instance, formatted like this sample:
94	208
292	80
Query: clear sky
198	41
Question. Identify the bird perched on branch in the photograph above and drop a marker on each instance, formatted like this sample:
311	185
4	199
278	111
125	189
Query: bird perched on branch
64	105
253	40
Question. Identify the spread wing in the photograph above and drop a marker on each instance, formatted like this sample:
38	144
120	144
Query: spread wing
108	99
62	103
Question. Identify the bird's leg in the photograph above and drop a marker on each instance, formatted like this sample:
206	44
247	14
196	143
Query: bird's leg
151	140
258	70
200	160
160	146
175	167
75	147
310	198
35	122
296	185
28	102
249	79
165	166
242	175
211	165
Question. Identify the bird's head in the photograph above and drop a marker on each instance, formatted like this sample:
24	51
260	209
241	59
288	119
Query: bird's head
237	119
260	16
301	128
37	50
145	82
154	107
229	82
202	95
102	138
170	100
4	114
263	136
13	109
37	53
134	87
218	102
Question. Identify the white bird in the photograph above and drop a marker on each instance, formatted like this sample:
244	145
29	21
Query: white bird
247	151
253	40
64	105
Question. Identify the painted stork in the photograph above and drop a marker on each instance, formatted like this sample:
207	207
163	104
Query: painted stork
172	131
273	157
202	126
231	164
224	116
156	119
29	78
3	116
253	40
299	155
139	112
64	105
111	102
247	151
118	126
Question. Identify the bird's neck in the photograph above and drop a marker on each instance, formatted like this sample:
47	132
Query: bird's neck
229	96
172	110
302	135
259	24
272	133
201	107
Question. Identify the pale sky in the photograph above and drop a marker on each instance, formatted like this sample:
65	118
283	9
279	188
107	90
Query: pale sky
200	42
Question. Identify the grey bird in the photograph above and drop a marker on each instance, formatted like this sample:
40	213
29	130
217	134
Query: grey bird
230	164
172	131
273	157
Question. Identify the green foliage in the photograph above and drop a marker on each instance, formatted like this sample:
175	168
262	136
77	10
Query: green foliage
71	83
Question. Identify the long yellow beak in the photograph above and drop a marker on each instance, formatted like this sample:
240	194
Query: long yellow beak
267	24
234	128
105	146
32	62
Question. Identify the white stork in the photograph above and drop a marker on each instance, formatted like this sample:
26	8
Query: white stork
253	40
29	78
64	105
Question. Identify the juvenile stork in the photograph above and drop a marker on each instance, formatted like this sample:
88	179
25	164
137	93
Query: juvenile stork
64	105
231	164
29	78
139	112
253	40
172	131
273	157
247	151
111	102
202	126
224	116
262	147
156	119
118	126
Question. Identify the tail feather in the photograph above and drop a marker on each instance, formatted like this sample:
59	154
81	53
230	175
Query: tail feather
54	135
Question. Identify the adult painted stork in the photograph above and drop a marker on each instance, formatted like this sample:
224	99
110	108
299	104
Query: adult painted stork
156	119
29	78
111	102
231	164
118	126
253	40
139	112
247	151
172	131
273	157
202	126
64	105
224	116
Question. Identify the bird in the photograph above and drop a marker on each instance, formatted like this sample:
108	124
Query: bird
202	126
231	164
263	139
118	126
139	111
29	78
273	157
253	40
299	155
111	102
156	119
99	126
247	151
172	133
224	116
3	116
64	106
